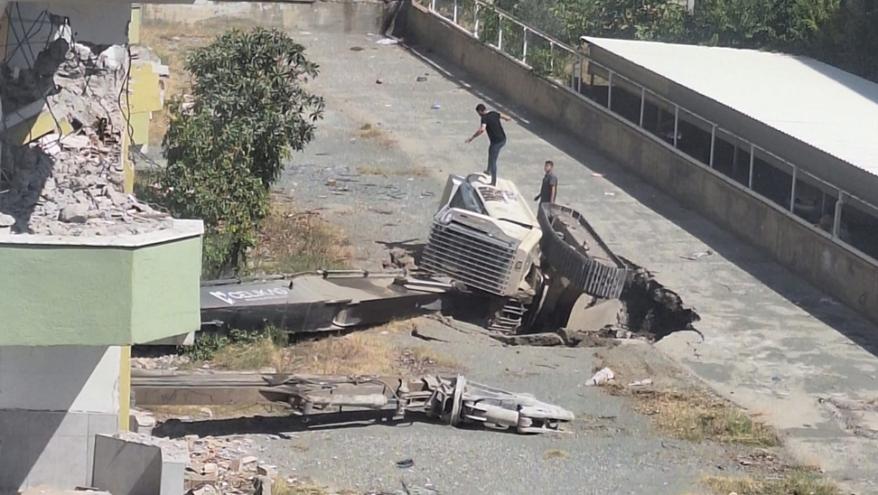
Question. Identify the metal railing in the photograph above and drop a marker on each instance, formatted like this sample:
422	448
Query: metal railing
497	28
569	66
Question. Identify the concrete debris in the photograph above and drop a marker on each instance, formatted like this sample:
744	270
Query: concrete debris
72	184
421	79
141	422
698	255
387	41
641	383
224	465
169	362
6	220
603	376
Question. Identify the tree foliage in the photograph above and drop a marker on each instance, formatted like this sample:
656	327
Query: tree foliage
226	145
840	32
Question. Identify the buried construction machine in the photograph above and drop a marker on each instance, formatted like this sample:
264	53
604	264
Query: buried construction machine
486	248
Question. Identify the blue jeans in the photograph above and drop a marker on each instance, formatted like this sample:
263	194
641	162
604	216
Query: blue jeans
493	153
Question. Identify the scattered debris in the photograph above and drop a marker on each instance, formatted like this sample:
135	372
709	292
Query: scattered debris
379	81
168	362
405	463
220	465
387	41
357	48
641	383
698	255
421	79
603	376
609	193
436	106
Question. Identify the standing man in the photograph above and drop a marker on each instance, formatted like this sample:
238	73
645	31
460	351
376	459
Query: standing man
496	134
549	189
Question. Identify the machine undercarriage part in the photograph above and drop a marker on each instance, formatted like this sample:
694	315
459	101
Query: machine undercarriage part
572	249
454	401
508	318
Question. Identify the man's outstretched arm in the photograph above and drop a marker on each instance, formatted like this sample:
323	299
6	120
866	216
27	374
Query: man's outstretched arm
477	134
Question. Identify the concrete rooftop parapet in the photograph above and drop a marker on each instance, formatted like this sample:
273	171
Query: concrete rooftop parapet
114	290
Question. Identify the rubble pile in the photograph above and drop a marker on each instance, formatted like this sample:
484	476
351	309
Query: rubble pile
168	362
224	465
73	184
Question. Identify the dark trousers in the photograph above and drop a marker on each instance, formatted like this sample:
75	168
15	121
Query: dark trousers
493	153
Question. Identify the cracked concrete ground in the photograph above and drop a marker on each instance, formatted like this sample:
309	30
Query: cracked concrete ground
773	343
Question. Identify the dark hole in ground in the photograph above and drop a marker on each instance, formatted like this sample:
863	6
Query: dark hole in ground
653	311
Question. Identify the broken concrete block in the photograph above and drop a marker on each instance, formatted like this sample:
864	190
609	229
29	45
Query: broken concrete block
242	463
75	213
209	469
6	220
142	422
266	470
603	376
139	464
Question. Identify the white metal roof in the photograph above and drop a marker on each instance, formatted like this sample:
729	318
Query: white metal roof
824	106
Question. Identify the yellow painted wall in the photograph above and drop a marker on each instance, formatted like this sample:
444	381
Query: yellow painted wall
134	25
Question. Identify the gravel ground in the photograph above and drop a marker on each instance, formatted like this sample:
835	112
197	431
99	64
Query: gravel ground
607	449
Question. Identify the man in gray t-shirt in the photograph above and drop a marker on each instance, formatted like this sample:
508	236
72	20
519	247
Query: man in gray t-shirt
549	189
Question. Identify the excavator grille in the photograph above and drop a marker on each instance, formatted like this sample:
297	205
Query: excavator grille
469	256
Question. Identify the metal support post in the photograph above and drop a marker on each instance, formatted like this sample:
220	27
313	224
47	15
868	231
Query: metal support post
524	47
676	123
579	81
476	20
642	103
610	91
712	144
433	6
793	190
552	56
500	32
836	221
752	159
454	12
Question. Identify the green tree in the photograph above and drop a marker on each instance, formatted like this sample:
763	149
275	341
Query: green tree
633	19
226	145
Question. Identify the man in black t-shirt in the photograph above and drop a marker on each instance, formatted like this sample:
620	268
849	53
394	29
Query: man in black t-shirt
549	189
492	126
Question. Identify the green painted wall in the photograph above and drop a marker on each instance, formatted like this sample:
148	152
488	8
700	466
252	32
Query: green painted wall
166	290
82	295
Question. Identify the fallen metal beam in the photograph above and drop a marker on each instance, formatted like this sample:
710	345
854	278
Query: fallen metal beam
318	302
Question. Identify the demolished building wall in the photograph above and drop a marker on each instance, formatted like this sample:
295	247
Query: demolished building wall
65	127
